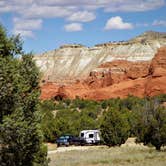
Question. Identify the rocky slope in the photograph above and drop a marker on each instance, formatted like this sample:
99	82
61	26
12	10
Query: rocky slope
106	71
72	62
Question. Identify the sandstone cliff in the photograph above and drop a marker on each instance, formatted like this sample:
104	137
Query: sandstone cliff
72	62
114	70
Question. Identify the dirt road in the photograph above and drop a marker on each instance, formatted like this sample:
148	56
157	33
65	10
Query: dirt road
72	148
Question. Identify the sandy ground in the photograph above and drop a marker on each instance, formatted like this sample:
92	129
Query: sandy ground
128	154
52	148
71	148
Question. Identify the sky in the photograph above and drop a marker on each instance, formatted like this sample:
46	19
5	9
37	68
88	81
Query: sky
47	24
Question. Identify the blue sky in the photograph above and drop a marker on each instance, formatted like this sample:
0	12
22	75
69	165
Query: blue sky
47	24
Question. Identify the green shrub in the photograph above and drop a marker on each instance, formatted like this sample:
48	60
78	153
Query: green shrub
47	114
115	127
20	136
151	124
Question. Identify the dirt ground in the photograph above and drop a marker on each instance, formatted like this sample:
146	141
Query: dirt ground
128	154
73	148
52	148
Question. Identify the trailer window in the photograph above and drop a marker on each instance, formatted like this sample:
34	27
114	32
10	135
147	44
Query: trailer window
90	135
82	134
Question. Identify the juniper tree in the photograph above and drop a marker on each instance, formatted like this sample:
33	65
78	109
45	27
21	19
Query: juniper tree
20	136
151	124
115	127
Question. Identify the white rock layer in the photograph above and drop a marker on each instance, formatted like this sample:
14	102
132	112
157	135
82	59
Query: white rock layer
71	62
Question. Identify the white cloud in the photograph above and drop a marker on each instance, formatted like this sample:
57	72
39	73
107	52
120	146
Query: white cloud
47	11
23	33
82	16
159	23
27	24
73	27
25	27
117	23
108	5
73	10
133	6
19	6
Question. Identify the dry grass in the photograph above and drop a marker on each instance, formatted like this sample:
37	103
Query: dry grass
117	156
51	146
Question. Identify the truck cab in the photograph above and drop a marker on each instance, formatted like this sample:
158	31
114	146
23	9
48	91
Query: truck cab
64	140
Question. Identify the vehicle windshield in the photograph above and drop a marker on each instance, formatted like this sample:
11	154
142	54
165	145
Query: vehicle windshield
64	137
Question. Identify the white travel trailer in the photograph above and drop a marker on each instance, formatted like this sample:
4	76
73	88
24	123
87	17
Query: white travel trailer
90	136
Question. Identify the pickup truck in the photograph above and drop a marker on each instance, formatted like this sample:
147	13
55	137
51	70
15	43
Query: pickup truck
77	141
66	140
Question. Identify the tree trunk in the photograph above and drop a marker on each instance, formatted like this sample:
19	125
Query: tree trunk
158	147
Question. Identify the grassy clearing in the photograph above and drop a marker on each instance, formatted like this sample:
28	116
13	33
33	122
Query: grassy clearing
117	156
51	146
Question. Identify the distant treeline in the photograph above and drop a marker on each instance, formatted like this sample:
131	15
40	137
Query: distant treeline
117	119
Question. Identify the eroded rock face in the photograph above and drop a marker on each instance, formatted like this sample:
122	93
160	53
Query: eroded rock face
159	61
72	62
111	79
157	82
99	78
148	79
125	70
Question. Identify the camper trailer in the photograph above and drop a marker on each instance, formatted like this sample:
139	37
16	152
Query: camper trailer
90	136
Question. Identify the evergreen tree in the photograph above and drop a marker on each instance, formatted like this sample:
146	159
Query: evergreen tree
20	136
48	123
151	124
114	127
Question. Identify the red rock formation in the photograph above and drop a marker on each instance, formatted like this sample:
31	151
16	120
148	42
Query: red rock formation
116	79
49	90
124	70
159	61
99	78
133	87
156	84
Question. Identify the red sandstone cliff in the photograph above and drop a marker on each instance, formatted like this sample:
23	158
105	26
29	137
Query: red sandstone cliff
156	84
116	79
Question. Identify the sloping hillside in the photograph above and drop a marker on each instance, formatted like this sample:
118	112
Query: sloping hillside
72	62
136	67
